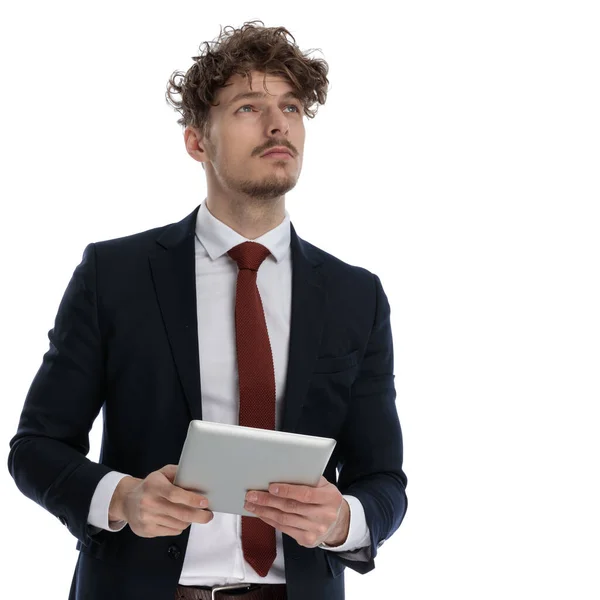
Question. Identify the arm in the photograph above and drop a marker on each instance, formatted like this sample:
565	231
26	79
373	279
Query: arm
370	443
47	457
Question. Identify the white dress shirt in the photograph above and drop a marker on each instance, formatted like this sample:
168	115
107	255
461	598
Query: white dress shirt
214	552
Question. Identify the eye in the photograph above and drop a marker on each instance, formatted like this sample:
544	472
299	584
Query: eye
250	106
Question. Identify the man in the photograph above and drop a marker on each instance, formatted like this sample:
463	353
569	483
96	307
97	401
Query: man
226	316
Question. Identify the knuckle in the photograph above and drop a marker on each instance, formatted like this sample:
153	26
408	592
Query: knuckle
145	501
183	515
291	505
332	516
178	516
323	529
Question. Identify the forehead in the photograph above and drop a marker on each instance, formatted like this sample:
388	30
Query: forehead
237	84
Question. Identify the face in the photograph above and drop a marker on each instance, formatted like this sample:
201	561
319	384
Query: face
242	130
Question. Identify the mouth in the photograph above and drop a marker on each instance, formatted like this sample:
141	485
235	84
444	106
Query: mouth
280	155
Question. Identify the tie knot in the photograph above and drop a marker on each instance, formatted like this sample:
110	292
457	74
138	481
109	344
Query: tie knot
249	255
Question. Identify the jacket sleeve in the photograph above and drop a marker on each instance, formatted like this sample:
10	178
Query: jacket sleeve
47	457
371	448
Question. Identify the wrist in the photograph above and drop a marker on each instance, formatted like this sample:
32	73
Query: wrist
116	510
339	535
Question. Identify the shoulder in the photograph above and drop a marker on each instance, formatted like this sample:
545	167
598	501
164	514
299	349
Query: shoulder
337	269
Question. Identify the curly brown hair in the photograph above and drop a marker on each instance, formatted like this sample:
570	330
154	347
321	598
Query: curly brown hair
250	48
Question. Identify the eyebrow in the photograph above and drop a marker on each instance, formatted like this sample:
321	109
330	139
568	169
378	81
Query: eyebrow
244	95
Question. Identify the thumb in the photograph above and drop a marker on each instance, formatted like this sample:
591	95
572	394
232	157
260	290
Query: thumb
169	471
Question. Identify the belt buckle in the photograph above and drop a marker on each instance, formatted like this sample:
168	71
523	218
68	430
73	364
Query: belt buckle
228	587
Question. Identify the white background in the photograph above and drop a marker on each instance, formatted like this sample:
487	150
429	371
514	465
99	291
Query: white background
456	157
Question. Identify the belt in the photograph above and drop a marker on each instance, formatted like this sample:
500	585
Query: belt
234	591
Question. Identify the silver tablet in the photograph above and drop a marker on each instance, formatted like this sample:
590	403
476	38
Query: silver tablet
223	462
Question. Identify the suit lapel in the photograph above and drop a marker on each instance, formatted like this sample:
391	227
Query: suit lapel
174	275
309	296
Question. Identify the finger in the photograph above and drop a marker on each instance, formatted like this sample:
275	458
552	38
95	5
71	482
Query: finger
178	495
192	498
183	512
294	521
317	511
302	536
161	530
169	471
153	530
303	493
169	520
313	512
155	510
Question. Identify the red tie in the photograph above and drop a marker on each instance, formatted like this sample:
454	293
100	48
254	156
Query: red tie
257	385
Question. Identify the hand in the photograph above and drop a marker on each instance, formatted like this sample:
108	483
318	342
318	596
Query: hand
155	507
311	515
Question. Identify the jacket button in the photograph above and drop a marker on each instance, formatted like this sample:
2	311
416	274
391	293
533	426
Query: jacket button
174	551
63	520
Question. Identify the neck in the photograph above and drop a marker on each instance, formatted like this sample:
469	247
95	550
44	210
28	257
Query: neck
248	217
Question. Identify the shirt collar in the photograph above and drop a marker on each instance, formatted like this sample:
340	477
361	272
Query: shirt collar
218	238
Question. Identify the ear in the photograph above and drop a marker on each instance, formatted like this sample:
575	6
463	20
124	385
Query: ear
194	144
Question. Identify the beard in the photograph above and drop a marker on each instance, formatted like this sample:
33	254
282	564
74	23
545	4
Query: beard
267	185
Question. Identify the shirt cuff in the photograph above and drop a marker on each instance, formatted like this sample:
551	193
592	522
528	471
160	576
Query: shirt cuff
98	513
358	533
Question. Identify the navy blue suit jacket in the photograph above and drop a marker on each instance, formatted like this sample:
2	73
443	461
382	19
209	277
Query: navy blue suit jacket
125	342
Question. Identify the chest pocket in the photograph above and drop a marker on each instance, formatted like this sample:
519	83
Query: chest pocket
334	364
